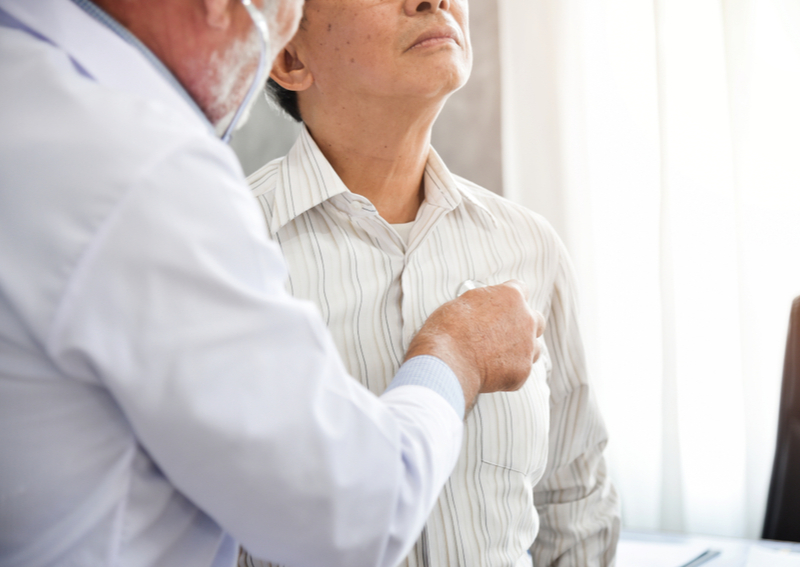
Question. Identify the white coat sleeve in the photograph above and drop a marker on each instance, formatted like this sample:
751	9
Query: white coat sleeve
177	306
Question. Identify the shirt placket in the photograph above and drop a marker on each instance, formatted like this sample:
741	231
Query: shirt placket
413	313
413	279
413	284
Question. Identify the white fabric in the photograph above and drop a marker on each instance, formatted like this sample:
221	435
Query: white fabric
541	445
403	230
662	138
161	395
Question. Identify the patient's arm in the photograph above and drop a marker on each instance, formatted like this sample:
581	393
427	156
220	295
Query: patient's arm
577	504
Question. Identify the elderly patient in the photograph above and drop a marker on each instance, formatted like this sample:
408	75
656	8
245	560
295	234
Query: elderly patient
378	233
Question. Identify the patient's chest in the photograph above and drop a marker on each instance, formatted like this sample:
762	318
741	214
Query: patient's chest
374	296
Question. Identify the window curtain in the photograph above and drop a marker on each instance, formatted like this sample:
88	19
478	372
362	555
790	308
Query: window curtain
662	140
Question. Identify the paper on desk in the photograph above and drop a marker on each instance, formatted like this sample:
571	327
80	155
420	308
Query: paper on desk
759	556
652	554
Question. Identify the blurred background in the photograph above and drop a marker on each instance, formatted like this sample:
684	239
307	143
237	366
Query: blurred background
662	140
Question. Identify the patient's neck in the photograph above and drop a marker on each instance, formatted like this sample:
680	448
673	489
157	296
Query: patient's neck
378	152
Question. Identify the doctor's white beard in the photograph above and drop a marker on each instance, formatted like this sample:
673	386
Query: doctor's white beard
231	74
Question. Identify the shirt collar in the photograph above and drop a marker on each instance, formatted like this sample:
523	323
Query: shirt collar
307	180
448	191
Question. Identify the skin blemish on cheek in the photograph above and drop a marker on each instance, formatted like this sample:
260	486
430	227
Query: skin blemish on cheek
352	61
329	27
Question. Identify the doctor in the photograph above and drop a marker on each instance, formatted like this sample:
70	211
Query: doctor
143	421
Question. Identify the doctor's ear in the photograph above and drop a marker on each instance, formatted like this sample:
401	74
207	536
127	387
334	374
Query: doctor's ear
290	72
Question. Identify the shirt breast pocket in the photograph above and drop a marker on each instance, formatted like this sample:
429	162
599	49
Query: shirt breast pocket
513	427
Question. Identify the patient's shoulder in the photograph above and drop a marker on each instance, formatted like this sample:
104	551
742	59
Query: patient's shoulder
507	214
264	180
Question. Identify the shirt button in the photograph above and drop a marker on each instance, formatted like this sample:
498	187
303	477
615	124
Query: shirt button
356	205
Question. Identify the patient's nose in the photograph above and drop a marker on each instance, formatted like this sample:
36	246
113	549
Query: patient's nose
420	6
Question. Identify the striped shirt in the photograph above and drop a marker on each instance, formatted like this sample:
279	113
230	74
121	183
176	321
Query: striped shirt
531	474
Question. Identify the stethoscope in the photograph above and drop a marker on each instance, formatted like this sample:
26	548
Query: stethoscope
263	34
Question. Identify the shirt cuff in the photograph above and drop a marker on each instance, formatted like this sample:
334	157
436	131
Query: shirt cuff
433	373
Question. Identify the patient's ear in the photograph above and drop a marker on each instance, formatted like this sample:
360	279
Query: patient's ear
290	72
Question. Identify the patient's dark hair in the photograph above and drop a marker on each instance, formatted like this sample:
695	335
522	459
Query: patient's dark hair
284	98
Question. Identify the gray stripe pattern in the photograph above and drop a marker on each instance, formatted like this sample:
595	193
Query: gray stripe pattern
531	475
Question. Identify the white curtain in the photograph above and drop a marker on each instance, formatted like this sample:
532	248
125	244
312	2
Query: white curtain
662	140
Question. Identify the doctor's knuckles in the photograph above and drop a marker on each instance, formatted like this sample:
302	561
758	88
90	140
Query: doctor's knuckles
487	336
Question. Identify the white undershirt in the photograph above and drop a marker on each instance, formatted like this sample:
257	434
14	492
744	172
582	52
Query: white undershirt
403	230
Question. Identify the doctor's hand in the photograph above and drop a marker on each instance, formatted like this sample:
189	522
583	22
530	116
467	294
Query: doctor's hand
487	336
